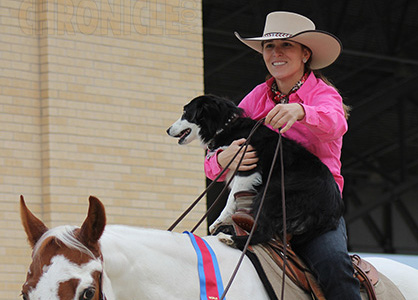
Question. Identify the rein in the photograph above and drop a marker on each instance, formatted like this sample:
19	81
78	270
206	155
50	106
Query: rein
189	209
278	147
245	147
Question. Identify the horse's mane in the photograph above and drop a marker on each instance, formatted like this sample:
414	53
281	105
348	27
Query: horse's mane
65	235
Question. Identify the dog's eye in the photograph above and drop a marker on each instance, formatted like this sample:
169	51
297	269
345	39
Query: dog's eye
185	115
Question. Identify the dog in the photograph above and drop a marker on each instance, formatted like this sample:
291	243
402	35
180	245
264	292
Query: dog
313	199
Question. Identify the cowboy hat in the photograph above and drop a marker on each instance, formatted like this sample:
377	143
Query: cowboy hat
283	25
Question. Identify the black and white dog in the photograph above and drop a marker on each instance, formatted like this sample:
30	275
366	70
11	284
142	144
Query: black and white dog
313	200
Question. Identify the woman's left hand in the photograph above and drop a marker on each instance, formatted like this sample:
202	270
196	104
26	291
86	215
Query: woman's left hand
285	114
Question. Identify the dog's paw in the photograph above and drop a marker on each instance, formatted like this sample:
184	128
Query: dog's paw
224	228
216	226
226	239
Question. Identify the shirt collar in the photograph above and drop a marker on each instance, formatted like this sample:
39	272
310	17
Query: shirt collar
307	86
269	82
299	85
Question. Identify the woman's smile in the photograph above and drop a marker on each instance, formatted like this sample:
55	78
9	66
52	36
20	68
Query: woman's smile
278	63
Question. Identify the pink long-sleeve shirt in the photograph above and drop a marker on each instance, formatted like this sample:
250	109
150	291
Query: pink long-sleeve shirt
320	131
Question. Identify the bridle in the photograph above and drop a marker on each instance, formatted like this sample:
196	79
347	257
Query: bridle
244	147
101	294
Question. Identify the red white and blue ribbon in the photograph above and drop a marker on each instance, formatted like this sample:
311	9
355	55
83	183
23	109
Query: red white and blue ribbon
211	286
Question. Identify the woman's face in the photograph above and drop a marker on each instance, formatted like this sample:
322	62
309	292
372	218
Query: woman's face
284	60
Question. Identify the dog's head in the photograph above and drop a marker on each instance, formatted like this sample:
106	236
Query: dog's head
202	118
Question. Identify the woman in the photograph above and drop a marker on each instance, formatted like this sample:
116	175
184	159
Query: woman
308	110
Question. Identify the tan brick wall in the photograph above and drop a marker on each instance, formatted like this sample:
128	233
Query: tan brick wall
88	89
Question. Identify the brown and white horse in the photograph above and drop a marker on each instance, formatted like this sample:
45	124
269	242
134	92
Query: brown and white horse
128	263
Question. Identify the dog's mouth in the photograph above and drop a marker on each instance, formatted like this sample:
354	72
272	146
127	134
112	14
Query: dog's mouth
183	135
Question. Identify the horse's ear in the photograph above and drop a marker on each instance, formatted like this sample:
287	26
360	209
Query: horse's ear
34	227
94	224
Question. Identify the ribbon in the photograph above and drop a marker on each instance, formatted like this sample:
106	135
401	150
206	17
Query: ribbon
211	286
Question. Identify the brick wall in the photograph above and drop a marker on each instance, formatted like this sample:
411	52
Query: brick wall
88	89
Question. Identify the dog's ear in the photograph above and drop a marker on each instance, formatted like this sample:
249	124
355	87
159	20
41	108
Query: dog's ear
199	109
194	114
193	110
214	108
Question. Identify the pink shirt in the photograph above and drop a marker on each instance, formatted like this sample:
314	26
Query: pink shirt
320	131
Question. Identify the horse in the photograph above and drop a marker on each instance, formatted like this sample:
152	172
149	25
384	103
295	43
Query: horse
107	262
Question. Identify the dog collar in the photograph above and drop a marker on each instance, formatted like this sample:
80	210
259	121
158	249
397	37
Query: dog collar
230	120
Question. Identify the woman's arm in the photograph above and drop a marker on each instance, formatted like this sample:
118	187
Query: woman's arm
217	161
325	118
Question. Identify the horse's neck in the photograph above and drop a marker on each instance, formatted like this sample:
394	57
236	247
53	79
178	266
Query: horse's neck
140	243
136	259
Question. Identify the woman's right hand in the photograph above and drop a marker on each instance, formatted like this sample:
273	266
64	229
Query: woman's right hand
249	161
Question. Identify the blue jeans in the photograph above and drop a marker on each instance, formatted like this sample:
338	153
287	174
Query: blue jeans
327	256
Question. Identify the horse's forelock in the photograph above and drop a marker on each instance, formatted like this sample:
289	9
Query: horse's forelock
66	236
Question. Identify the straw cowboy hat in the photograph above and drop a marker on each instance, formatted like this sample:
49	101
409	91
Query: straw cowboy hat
325	47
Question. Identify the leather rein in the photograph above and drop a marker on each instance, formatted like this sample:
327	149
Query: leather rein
244	147
210	186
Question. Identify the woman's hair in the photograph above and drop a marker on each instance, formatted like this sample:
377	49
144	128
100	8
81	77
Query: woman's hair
319	75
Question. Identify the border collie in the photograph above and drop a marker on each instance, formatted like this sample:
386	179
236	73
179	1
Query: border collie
313	200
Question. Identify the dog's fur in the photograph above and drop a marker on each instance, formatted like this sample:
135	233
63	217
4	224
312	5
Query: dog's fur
313	200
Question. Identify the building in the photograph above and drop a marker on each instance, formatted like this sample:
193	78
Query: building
88	89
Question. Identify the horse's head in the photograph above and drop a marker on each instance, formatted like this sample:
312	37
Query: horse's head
66	260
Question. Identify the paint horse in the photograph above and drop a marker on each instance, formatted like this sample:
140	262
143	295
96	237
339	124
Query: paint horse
92	262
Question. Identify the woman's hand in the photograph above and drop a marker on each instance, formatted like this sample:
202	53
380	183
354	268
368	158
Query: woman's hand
249	161
285	114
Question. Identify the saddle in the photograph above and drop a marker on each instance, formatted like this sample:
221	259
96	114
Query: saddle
295	268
